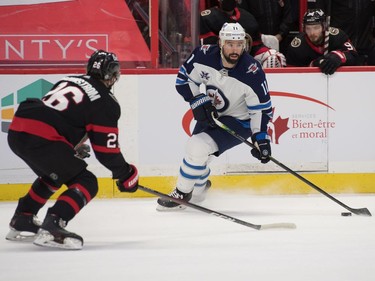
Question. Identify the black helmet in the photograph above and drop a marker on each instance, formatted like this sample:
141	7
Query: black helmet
228	5
103	65
314	16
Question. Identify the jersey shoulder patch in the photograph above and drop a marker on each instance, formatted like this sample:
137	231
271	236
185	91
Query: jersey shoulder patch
296	42
205	13
204	48
334	31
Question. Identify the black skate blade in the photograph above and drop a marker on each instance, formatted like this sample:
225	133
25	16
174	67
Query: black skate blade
161	208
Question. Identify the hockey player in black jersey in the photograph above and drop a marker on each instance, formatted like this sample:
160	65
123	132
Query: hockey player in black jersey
49	135
211	21
308	48
220	81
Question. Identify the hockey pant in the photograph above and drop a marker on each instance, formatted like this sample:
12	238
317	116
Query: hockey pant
205	143
55	164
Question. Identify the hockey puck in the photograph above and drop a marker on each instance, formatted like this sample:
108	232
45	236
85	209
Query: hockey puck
346	214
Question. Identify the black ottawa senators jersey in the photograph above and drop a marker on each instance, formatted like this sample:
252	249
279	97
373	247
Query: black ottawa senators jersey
301	52
76	108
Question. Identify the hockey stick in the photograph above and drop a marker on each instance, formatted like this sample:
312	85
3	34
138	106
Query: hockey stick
217	214
361	211
328	24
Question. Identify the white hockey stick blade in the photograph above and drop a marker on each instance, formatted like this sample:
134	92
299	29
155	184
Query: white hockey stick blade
281	225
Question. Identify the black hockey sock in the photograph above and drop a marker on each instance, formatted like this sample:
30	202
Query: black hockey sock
80	191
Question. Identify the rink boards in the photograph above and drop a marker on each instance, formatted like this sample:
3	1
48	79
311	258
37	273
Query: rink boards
316	130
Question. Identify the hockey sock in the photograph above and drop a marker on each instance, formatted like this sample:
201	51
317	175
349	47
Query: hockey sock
80	192
37	196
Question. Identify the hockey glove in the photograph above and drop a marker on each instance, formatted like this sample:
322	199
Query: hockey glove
263	147
203	109
330	63
129	183
271	59
82	151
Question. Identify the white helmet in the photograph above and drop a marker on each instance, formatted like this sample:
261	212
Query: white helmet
232	31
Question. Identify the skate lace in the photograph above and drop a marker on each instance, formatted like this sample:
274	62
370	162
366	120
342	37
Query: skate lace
176	194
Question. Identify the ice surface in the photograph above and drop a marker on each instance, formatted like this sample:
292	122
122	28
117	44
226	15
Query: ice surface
127	239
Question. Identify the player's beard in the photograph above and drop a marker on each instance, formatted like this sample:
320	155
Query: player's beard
317	40
233	60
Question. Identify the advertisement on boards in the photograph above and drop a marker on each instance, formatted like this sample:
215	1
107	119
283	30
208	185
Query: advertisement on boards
299	128
315	127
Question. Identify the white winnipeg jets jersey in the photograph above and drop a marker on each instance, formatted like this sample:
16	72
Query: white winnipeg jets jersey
241	92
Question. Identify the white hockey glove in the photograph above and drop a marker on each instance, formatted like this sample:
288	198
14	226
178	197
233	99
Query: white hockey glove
271	59
270	41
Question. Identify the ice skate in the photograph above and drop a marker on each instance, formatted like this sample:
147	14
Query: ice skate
200	192
168	205
52	233
23	227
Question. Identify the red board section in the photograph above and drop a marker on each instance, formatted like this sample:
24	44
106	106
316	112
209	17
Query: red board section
68	32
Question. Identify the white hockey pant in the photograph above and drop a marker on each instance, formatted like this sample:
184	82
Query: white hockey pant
194	170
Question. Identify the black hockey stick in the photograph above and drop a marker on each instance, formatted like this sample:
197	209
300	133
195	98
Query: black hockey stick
217	214
361	211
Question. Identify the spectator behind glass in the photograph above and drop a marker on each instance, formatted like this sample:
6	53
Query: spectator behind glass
307	48
355	17
211	21
274	18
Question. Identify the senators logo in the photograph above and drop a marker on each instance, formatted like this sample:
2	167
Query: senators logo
205	13
296	42
333	31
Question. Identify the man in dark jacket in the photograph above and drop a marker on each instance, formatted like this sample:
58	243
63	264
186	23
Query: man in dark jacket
309	49
212	20
355	18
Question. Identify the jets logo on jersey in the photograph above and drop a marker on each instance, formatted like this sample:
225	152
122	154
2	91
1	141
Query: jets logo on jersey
205	75
253	68
205	48
218	98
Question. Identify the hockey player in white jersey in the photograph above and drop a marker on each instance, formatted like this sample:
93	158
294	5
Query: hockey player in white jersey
220	81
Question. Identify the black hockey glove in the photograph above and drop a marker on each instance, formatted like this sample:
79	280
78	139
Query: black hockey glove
82	151
203	109
129	183
317	61
263	147
329	64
